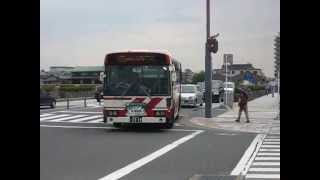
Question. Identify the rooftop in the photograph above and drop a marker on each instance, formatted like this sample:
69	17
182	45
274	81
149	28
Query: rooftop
88	69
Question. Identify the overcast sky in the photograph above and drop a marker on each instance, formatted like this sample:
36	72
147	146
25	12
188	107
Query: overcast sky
81	32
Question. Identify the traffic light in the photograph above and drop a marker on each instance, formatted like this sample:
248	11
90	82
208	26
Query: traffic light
212	44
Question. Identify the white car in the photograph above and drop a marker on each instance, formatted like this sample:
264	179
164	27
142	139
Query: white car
191	95
229	86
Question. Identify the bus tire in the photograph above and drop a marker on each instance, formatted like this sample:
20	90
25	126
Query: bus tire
168	125
170	122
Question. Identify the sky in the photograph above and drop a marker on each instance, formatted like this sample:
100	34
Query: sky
82	32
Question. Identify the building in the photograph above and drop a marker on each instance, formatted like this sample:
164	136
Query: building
86	74
277	56
239	73
187	76
48	78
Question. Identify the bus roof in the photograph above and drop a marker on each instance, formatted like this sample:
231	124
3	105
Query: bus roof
164	52
143	51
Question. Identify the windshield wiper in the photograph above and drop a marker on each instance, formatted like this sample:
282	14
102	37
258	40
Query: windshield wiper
144	89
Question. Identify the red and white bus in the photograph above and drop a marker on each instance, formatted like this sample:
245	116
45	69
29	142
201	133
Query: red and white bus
141	87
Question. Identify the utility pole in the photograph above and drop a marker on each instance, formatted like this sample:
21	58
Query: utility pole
208	70
211	47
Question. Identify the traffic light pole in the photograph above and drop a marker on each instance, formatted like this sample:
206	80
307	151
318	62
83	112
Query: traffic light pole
208	70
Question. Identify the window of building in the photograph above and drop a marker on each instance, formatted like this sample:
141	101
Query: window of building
255	72
232	72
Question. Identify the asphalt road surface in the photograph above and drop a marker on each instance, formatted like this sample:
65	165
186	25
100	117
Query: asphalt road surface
74	144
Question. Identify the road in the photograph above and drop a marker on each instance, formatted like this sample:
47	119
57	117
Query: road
74	144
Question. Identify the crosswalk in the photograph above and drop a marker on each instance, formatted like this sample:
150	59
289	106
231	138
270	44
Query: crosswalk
68	117
73	118
266	164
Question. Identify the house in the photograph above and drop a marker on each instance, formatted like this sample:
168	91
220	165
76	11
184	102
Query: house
238	73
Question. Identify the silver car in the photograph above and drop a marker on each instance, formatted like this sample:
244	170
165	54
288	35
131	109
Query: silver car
191	95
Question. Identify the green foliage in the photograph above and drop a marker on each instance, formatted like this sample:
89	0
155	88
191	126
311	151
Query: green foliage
198	77
76	88
48	87
256	88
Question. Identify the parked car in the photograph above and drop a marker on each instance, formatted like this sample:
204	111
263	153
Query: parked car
217	91
46	99
191	95
229	86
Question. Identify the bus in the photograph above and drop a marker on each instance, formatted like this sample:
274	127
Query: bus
141	87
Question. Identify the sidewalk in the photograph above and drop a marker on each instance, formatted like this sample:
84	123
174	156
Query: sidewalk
262	114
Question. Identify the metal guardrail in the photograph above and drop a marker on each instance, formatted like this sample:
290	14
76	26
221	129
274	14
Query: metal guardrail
73	99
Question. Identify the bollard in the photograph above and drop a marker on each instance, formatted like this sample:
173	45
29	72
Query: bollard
67	102
85	102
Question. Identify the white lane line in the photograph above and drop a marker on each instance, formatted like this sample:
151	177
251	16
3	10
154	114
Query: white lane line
137	164
266	163
265	169
275	143
265	176
53	117
80	112
95	121
66	118
44	115
267	158
268	154
270	146
97	127
244	162
263	150
271	139
86	118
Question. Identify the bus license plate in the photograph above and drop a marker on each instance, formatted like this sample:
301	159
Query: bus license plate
134	119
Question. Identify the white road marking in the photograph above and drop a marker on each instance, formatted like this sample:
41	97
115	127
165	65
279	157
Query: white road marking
98	127
262	150
267	158
252	149
53	117
265	176
275	143
66	118
266	163
273	137
86	118
265	169
95	121
44	115
268	154
81	112
271	140
270	146
139	163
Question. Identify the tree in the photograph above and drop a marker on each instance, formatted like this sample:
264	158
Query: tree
198	77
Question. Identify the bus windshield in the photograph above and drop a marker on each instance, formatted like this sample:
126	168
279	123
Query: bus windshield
137	80
188	89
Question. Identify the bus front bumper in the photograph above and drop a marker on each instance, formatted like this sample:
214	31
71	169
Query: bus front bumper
135	120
